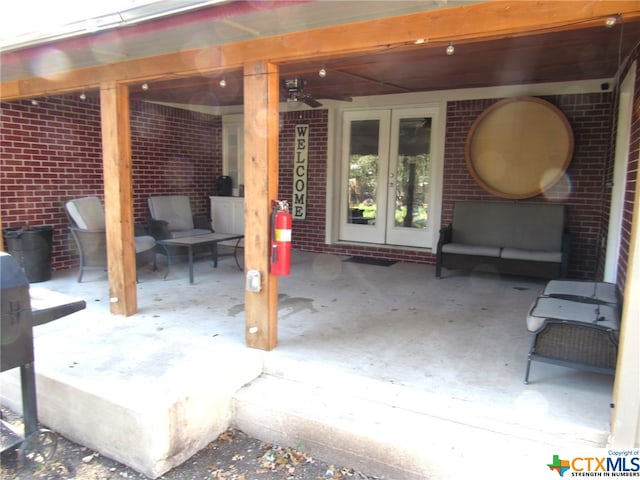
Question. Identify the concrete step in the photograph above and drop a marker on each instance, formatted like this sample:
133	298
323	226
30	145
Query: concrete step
147	397
393	432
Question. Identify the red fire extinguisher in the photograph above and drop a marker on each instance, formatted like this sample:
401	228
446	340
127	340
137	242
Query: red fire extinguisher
280	238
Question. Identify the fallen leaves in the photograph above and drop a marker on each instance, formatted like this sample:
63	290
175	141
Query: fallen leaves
279	458
343	473
227	436
232	456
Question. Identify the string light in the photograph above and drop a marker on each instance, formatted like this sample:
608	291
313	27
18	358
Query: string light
450	49
612	20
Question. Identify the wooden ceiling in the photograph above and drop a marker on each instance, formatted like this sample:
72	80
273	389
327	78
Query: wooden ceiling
573	55
583	54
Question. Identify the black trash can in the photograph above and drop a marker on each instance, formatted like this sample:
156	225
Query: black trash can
31	248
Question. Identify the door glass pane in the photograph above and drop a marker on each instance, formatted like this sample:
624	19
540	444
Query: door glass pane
413	173
363	172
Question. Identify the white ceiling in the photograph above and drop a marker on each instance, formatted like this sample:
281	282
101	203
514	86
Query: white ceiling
20	27
186	25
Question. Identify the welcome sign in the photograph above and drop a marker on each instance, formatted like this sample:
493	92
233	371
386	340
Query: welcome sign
300	165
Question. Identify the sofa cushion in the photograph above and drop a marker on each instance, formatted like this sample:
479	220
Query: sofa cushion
478	223
189	233
531	255
537	226
173	209
87	213
527	226
461	249
544	308
144	243
602	292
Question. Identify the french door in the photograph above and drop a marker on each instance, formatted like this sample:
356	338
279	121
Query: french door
386	176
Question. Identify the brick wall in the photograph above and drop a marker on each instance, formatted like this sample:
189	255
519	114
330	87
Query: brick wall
49	152
582	188
174	152
52	151
309	233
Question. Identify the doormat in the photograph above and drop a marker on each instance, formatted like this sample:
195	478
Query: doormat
381	262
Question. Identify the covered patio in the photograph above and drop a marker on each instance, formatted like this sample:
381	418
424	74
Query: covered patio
370	357
382	367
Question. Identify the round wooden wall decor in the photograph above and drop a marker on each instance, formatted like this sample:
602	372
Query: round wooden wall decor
519	147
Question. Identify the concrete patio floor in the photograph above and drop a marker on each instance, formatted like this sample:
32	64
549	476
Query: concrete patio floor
384	368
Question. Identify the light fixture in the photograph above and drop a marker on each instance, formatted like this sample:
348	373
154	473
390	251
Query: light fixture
145	86
323	72
450	49
223	82
419	41
612	20
34	102
294	104
83	96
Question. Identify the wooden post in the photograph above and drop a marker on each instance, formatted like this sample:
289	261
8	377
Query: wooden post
116	158
261	99
625	419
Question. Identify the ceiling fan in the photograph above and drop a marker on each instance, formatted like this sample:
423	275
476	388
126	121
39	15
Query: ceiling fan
295	93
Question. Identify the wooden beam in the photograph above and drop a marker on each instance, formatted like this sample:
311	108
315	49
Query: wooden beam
116	154
474	22
261	186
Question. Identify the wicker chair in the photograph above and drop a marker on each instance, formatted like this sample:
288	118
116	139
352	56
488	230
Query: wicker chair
171	217
579	331
87	226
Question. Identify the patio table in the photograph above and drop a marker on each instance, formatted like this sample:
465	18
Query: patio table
208	239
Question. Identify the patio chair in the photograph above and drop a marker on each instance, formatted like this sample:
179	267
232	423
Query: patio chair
573	329
172	217
87	226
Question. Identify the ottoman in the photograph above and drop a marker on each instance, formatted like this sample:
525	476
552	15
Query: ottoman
578	334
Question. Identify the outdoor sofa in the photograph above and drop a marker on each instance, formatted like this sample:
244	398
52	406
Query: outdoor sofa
508	237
